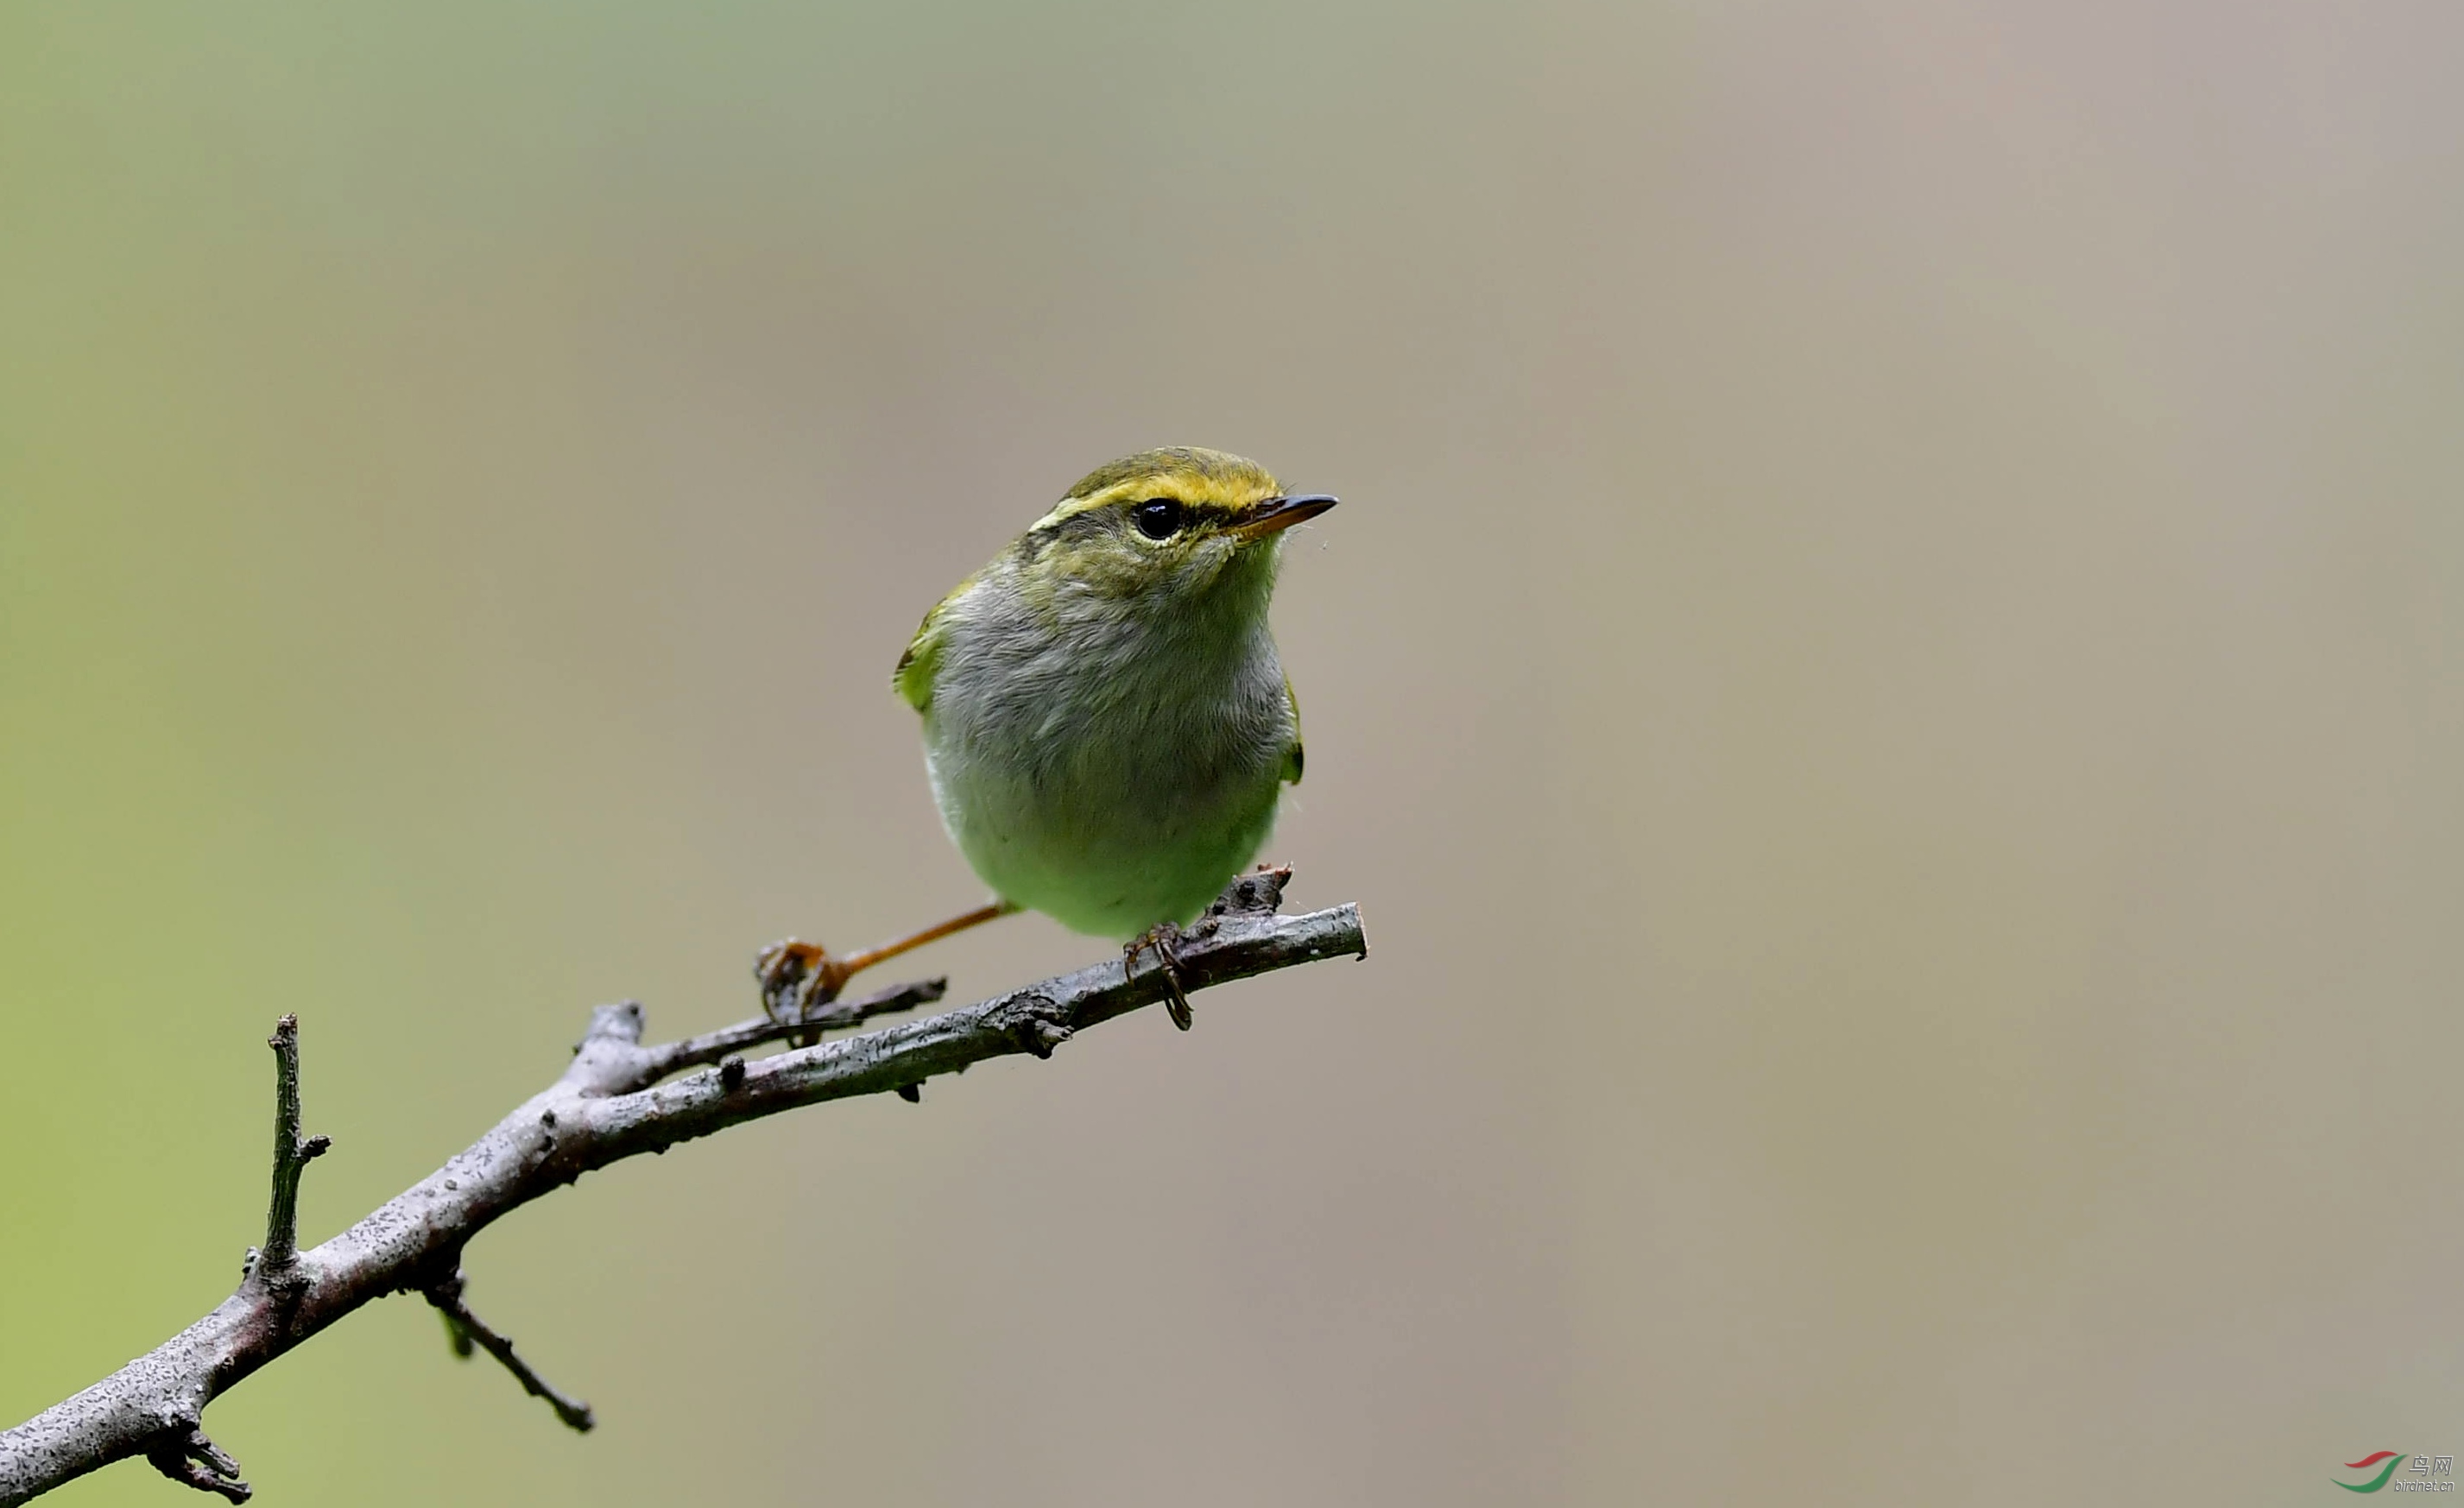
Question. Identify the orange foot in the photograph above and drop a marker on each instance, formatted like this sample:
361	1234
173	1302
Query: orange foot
797	976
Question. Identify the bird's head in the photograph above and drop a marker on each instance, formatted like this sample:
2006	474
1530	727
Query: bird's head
1173	529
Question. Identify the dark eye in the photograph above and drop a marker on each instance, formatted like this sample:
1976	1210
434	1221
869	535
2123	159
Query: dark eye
1157	517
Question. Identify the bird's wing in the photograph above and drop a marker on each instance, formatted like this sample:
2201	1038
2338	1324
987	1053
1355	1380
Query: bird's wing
1293	759
922	661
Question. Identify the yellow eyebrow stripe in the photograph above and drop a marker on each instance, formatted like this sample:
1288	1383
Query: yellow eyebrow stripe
1208	480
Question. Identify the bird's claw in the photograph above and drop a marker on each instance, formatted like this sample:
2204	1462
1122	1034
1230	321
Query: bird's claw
1160	938
806	974
797	976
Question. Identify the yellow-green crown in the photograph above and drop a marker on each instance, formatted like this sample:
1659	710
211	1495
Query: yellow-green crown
1201	480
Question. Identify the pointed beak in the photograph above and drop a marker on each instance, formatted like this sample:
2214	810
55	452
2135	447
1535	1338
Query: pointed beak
1278	514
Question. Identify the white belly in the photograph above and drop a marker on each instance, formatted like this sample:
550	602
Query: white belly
1108	799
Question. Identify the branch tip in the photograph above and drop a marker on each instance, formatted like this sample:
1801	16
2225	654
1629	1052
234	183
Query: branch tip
1258	893
291	1154
188	1457
464	1330
621	1023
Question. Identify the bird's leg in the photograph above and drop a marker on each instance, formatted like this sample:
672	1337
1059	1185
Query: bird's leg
806	974
1160	937
855	963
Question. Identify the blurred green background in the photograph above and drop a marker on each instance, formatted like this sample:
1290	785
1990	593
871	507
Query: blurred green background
1887	683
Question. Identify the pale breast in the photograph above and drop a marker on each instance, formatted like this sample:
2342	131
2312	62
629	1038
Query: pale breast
1088	775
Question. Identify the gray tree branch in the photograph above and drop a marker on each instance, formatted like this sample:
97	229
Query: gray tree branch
616	1100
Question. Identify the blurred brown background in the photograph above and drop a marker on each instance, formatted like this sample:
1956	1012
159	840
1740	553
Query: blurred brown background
1887	682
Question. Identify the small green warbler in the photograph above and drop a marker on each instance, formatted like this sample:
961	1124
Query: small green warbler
1106	723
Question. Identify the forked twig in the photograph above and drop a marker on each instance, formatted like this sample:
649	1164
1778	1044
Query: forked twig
617	1099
